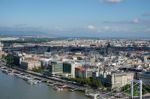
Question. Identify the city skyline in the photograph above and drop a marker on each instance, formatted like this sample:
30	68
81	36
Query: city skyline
76	18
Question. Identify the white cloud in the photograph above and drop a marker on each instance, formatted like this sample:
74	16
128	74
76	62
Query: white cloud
136	21
113	1
140	21
108	28
91	27
113	29
133	21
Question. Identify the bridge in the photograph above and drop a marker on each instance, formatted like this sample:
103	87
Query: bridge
125	94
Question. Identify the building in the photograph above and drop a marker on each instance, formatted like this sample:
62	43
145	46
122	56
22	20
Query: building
117	79
45	62
1	46
29	64
69	68
56	68
83	72
120	79
8	38
147	59
80	72
1	54
145	77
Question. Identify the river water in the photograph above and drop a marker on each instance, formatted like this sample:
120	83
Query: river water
12	87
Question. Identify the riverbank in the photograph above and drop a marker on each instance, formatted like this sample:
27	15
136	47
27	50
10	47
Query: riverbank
35	78
13	87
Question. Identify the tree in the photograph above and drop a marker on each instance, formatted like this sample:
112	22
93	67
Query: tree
88	81
127	89
39	69
9	60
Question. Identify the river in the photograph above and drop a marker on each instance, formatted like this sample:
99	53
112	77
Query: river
12	87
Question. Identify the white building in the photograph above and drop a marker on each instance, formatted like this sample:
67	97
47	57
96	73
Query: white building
1	46
45	61
121	78
29	64
117	79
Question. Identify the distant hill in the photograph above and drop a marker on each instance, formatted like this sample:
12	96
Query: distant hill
26	33
71	34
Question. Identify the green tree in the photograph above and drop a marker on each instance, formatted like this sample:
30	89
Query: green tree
88	81
127	89
39	69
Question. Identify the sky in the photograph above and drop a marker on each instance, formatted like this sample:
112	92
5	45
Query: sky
97	18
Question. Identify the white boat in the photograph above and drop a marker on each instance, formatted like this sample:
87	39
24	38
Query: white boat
11	73
58	88
33	81
5	71
50	84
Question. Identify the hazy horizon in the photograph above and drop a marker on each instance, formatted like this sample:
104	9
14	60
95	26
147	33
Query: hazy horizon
76	18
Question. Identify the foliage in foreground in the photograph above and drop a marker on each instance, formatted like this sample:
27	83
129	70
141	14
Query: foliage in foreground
136	88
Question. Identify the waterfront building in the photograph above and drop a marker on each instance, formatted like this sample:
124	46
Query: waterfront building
80	72
83	72
69	68
117	79
30	63
56	67
45	62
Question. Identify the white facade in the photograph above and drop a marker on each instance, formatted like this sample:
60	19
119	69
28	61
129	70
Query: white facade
121	79
1	46
30	64
45	61
74	65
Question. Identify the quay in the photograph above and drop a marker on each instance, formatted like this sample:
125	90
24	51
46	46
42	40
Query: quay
43	78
